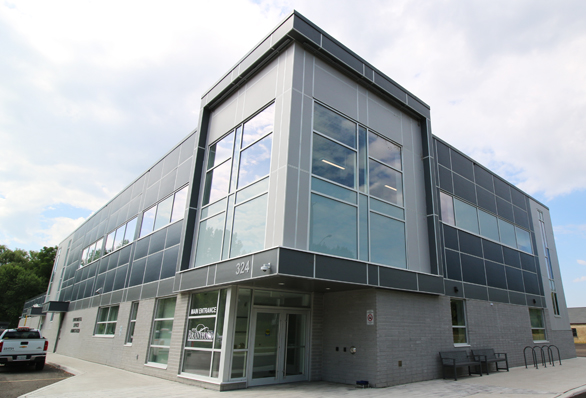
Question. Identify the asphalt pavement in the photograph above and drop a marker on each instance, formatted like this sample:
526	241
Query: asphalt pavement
95	380
21	379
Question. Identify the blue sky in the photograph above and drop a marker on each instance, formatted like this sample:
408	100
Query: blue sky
92	93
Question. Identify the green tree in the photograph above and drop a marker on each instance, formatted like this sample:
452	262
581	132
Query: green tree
23	275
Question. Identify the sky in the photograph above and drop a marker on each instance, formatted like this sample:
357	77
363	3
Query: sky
92	93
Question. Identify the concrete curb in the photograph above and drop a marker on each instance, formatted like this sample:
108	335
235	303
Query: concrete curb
573	392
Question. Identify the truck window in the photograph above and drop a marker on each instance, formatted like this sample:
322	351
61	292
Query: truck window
16	335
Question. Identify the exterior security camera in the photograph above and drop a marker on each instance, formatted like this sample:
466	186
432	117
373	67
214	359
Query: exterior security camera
266	267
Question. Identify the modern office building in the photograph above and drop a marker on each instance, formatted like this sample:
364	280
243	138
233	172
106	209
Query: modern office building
310	228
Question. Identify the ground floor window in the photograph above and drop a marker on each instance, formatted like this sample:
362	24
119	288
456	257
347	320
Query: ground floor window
241	330
131	323
574	332
162	330
537	324
205	332
458	322
106	321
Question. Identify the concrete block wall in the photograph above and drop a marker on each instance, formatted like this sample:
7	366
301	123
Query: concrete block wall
344	320
317	337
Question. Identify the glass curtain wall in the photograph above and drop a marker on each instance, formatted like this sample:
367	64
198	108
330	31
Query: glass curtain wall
234	205
357	208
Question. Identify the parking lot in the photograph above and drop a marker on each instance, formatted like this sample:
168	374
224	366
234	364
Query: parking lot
18	380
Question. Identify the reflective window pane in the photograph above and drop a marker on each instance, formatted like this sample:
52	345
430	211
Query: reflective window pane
466	217
362	158
447	208
333	227
119	240
209	240
387	241
166	308
387	209
507	233
197	362
164	213
159	355
98	250
200	332
130	230
217	183
179	205
258	126
488	225
110	242
523	240
249	227
221	150
252	190
385	183
333	190
333	125
217	207
383	150
255	162
148	221
333	161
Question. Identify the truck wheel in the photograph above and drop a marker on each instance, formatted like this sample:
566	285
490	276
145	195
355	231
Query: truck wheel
40	365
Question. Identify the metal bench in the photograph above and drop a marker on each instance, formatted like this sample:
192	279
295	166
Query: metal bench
488	356
458	359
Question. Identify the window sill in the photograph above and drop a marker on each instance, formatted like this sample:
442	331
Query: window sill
207	379
462	345
104	336
540	341
156	365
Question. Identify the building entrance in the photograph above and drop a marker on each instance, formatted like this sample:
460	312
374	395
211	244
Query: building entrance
279	346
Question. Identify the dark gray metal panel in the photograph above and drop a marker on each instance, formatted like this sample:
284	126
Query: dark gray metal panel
231	271
165	287
116	297
517	298
533	300
307	30
149	290
337	269
372	275
498	295
193	278
133	293
211	275
259	259
454	288
419	106
430	284
295	263
342	54
390	86
397	278
475	292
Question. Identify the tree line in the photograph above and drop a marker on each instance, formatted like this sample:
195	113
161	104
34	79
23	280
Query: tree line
23	275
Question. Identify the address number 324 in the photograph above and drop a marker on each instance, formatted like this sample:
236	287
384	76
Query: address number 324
243	268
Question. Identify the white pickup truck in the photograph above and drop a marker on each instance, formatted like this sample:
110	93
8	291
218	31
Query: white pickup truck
23	345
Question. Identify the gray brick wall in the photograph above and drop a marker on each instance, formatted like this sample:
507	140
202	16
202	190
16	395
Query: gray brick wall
317	337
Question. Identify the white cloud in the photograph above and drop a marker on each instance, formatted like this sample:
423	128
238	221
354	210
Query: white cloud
581	262
581	279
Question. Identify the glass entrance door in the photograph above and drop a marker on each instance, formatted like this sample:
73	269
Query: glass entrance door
279	346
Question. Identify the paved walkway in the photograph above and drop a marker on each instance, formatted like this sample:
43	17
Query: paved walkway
96	381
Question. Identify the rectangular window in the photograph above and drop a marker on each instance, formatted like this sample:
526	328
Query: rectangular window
106	321
205	329
537	324
167	211
458	322
447	208
574	332
131	323
162	330
554	300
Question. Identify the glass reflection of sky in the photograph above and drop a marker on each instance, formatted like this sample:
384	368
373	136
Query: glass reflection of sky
333	161
523	240
148	220
383	150
385	183
217	183
255	162
221	150
258	126
333	227
387	241
249	227
334	125
209	240
507	232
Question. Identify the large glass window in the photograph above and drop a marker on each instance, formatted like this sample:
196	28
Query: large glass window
507	233
205	332
466	217
458	322
167	211
238	169
333	227
447	209
488	225
537	324
240	351
162	330
354	159
106	321
523	240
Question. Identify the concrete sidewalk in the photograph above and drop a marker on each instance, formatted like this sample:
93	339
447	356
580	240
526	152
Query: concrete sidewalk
94	380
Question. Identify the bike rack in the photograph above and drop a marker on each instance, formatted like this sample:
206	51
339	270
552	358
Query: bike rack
542	350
